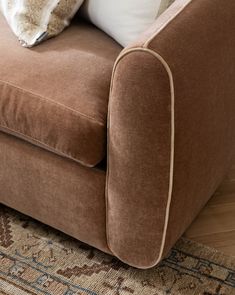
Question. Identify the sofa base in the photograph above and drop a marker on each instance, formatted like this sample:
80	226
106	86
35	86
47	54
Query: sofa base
53	190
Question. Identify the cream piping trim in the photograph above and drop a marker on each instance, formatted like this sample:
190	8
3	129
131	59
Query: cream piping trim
172	152
163	21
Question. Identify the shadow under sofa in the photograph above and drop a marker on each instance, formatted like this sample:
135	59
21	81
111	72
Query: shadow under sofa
161	111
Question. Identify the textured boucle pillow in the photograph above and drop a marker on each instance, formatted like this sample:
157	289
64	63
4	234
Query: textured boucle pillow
124	20
34	21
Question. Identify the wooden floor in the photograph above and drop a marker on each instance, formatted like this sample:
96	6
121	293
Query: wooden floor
215	226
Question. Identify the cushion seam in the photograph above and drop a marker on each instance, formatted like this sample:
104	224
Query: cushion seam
42	144
52	102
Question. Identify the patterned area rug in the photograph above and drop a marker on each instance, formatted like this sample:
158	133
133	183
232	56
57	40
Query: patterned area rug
35	259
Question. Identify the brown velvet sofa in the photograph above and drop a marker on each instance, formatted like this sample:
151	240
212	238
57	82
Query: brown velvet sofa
170	114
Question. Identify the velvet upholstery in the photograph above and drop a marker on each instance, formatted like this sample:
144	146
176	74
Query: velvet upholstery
171	129
53	95
54	190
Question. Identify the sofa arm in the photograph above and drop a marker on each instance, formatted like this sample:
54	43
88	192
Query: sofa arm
171	129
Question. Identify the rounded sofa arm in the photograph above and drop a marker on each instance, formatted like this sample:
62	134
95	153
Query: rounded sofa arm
171	130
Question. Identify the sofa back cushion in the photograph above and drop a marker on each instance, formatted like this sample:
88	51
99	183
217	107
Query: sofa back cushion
124	20
34	21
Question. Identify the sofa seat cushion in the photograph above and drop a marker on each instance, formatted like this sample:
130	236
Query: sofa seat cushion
56	95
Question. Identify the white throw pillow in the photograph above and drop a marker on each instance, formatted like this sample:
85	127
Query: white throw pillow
34	21
124	20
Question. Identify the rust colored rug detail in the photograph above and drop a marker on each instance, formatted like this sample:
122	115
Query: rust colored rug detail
35	259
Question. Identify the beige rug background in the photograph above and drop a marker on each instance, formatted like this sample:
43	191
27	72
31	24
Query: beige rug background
37	260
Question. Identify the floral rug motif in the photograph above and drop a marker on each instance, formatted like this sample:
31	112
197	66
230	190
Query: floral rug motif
37	260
